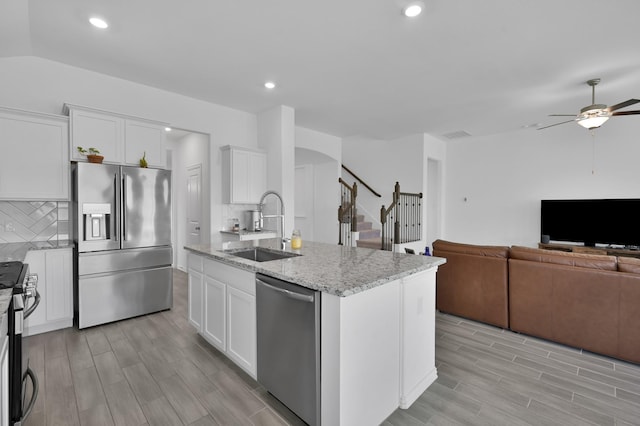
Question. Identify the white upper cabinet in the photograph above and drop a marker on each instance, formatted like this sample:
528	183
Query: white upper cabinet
244	175
96	130
119	138
34	164
145	138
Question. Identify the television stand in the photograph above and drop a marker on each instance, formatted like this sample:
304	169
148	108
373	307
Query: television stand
591	250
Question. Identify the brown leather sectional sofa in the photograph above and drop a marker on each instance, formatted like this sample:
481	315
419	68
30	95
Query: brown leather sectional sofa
582	300
474	282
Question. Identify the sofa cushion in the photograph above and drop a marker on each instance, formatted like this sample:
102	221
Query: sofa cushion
593	261
490	251
629	264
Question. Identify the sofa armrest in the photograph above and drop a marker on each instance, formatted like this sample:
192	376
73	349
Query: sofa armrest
473	287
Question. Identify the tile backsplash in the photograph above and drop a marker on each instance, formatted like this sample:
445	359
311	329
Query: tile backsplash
22	221
231	212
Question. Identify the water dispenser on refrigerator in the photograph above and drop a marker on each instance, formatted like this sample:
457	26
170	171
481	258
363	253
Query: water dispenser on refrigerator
96	219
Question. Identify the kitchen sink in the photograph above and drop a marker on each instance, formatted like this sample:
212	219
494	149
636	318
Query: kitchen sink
259	254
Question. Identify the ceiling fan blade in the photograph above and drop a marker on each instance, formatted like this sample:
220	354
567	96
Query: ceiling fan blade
557	124
623	104
626	113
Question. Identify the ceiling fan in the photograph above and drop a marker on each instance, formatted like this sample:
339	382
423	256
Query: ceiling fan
594	116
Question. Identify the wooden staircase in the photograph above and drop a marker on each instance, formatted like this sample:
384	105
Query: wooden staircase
400	222
369	237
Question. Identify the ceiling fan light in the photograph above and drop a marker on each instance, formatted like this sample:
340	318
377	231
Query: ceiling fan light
592	122
593	116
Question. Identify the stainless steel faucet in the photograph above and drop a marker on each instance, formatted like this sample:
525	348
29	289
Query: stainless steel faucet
283	240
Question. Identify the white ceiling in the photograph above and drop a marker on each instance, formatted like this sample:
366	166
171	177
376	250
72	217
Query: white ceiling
353	67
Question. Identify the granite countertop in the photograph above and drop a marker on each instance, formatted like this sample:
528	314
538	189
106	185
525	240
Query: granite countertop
18	251
333	269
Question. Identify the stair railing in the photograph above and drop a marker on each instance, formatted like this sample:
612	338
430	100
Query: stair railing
402	221
361	181
347	217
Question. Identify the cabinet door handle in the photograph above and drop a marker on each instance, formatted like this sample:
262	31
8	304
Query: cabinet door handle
291	294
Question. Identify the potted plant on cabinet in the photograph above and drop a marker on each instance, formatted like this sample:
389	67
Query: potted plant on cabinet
92	154
143	160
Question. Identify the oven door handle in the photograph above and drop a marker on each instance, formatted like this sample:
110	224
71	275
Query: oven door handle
32	308
34	381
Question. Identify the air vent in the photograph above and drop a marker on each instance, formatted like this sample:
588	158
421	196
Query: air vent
457	134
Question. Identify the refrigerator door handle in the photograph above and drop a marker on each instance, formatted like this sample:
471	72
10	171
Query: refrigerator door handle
116	208
123	202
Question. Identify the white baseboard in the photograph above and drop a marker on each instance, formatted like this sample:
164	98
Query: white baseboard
31	330
411	396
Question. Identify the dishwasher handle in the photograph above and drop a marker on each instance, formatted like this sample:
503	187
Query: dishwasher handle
288	293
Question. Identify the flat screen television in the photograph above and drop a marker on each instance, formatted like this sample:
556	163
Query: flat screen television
606	221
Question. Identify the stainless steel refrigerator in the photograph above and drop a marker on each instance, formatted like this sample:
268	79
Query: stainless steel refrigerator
122	236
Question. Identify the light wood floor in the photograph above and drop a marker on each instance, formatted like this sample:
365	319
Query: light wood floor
156	370
489	376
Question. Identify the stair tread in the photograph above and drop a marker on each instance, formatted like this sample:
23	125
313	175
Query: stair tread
364	225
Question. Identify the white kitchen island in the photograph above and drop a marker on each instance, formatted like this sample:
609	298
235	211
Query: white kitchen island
377	322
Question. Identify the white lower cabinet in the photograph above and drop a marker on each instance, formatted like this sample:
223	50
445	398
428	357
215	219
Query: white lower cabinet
227	309
55	285
196	291
241	326
215	316
196	287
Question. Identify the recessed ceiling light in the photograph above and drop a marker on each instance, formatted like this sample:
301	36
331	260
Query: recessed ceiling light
98	23
270	85
167	129
413	9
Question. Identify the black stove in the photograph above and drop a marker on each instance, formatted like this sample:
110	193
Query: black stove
24	300
12	275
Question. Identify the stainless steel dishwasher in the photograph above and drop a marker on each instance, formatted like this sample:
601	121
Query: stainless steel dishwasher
288	322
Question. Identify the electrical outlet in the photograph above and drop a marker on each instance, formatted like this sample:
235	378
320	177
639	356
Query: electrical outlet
8	227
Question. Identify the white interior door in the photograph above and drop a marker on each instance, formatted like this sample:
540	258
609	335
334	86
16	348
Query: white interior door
194	204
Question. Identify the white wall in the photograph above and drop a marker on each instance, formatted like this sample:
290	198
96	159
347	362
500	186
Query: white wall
434	162
42	85
318	158
380	164
317	196
504	177
326	144
276	135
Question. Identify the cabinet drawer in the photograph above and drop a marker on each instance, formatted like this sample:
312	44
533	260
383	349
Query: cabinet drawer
234	277
195	262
